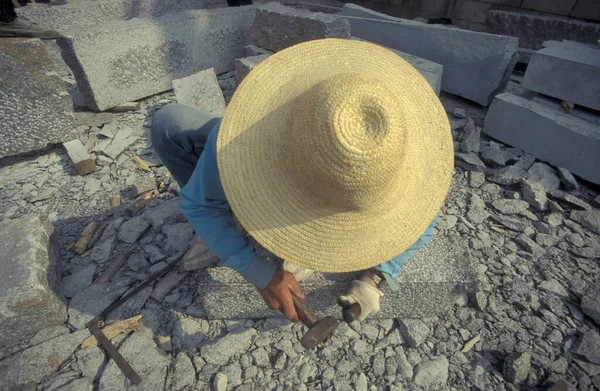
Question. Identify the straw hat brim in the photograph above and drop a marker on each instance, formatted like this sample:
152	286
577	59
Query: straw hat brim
251	156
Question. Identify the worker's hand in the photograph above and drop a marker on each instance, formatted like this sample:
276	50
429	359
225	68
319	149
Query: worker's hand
278	294
364	294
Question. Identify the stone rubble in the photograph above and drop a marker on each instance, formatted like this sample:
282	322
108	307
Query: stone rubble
535	307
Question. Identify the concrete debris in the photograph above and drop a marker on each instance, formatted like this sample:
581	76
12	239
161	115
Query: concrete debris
278	27
548	69
496	157
534	194
36	110
163	51
243	66
80	157
569	141
29	279
491	58
545	175
459	113
476	179
529	245
167	284
87	14
201	90
470	158
513	207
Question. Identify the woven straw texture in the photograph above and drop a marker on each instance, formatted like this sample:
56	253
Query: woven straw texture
335	154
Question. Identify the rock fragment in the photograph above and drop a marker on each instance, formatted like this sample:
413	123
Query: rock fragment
589	346
516	367
414	331
589	219
76	282
201	90
84	164
29	279
544	174
535	194
219	352
569	199
471	138
133	229
433	372
590	303
567	179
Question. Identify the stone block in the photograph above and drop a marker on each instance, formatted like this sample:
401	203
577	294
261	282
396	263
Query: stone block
243	66
357	11
29	279
111	70
476	65
471	10
429	284
567	71
277	27
80	157
92	13
557	7
36	108
586	9
431	71
551	135
534	29
201	90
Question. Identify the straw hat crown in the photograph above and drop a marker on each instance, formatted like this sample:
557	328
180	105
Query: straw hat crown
344	141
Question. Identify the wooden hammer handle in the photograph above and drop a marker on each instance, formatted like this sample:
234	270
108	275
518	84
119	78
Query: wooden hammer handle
304	313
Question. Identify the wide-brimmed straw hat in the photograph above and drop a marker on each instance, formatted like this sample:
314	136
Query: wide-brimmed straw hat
335	154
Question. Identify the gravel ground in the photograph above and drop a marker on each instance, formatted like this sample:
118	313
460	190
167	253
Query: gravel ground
534	320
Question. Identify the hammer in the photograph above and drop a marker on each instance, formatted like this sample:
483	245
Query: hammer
319	330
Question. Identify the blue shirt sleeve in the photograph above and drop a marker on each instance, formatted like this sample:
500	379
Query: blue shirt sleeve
391	268
205	206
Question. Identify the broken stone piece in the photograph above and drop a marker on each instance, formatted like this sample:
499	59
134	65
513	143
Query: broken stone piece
29	279
243	66
535	194
201	90
516	367
83	161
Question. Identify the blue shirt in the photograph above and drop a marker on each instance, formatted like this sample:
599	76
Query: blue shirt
204	204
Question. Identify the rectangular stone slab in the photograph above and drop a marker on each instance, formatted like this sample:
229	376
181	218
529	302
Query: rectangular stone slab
111	69
476	65
36	108
533	29
278	27
549	134
567	71
431	71
91	13
29	279
429	284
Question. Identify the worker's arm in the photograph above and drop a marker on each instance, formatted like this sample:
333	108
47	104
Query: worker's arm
204	204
